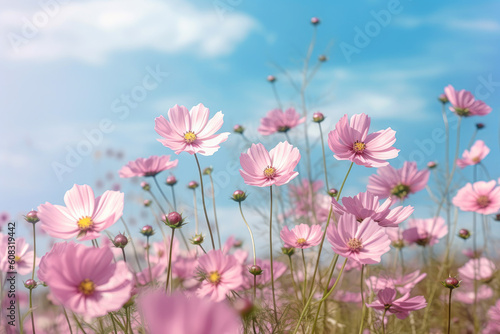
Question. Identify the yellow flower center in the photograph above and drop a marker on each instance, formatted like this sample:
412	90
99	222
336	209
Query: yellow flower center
85	223
17	258
401	191
189	137
214	277
483	201
301	241
354	244
358	147
476	160
269	172
87	287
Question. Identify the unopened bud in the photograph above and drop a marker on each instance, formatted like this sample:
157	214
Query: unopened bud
239	196
315	21
288	251
451	283
271	78
32	217
30	284
255	270
147	231
171	180
193	185
145	186
120	241
318	117
333	192
464	234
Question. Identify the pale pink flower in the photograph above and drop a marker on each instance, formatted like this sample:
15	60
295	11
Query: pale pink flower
279	268
4	219
278	121
86	280
398	183
221	273
351	141
363	242
161	251
481	269
425	232
157	269
23	256
301	236
463	103
493	325
471	254
180	314
386	300
304	202
84	215
191	131
366	205
184	269
481	197
466	293
147	166
475	155
403	284
276	167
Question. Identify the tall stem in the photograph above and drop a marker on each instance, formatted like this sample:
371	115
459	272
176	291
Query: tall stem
132	243
169	270
173	197
149	263
324	156
363	306
271	251
32	278
67	320
215	210
293	279
203	200
162	193
383	317
449	312
333	264
251	235
195	208
305	276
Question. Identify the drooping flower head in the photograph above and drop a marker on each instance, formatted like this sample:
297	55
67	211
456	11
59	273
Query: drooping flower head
351	141
363	242
425	232
147	166
301	236
86	280
278	121
276	167
401	307
221	273
187	315
366	205
464	104
191	131
481	269
84	215
481	197
398	183
475	155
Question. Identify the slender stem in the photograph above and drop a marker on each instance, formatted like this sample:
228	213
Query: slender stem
149	263
324	156
476	263
129	324
363	306
293	280
78	323
383	317
336	282
333	264
67	320
203	200
271	251
132	243
276	96
251	235
254	287
305	276
215	210
169	270
195	207
162	193
33	277
124	257
173	197
449	312
203	249
304	310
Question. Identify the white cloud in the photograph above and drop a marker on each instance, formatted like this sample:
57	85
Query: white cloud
92	30
468	24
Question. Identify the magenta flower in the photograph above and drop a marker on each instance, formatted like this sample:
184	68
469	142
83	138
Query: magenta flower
23	256
86	280
84	215
363	242
463	103
263	169
425	232
301	236
366	205
398	183
481	197
386	300
351	141
221	273
147	166
480	269
179	314
278	121
475	155
191	131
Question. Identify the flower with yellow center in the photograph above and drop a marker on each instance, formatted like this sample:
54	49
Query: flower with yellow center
483	201
214	277
269	172
355	245
301	241
85	223
87	287
358	147
189	137
17	258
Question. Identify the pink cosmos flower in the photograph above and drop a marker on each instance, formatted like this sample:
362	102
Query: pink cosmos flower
366	205
475	155
401	307
263	169
403	284
4	219
161	251
301	236
398	183
493	325
471	254
425	232
86	280
144	277
187	315
363	242
221	274
191	131
84	215
466	293
481	197
463	103
279	121
480	269
303	201
23	256
147	166
279	268
351	141
184	269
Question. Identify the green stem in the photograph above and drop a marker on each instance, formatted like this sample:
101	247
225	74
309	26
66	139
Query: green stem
449	312
324	156
78	323
333	264
203	201
383	317
33	277
173	197
215	210
67	320
162	193
363	306
169	270
293	280
113	321
132	243
195	208
305	276
149	263
271	252
251	235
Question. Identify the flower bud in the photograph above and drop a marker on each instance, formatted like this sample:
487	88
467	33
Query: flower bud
322	58
497	217
30	284
398	244
193	185
171	180
174	219
243	306
32	217
147	202
443	98
288	251
238	243
197	239
147	231
145	186
239	196
255	270
238	129
451	283
432	164
315	21
120	241
271	78
208	170
318	117
333	192
464	234
479	126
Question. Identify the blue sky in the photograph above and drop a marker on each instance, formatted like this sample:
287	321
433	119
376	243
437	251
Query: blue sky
66	65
